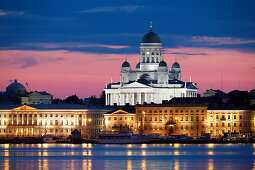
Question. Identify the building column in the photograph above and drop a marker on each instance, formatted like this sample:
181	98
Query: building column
152	97
140	98
106	99
146	97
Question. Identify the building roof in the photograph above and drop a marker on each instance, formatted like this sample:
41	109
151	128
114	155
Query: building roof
162	64
125	64
151	37
57	106
176	65
15	84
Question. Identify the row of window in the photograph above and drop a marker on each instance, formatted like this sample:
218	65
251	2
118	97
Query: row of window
228	116
187	118
176	111
120	118
228	124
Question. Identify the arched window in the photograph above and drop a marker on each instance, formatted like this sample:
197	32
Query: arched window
157	59
152	54
148	59
152	60
157	53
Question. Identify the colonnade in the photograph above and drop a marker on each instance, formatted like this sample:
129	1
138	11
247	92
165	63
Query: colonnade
132	98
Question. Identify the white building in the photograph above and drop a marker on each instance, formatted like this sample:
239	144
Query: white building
151	81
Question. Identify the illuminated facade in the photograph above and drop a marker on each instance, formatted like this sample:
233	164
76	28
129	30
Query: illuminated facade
194	120
120	120
229	121
168	120
54	119
151	81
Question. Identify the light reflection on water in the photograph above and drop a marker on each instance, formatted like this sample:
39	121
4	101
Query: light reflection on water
144	156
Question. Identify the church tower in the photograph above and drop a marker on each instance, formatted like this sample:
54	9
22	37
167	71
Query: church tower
151	51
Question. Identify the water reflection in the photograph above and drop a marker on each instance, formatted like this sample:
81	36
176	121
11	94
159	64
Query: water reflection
210	164
135	156
86	164
176	164
129	164
143	166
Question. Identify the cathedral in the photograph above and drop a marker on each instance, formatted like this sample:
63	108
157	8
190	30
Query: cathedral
151	81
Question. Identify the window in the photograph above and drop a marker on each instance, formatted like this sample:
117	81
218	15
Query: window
228	124
234	124
56	115
160	111
234	116
109	118
150	111
223	124
155	118
197	118
56	122
187	127
217	124
51	115
211	124
46	115
120	118
241	124
186	118
203	118
145	118
191	118
148	60
165	111
150	119
240	116
228	116
132	118
115	118
181	118
217	116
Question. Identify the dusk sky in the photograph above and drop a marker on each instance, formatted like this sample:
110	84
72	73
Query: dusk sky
75	47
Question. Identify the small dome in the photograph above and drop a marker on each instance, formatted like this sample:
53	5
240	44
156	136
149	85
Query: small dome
137	65
176	65
15	84
162	64
151	37
126	64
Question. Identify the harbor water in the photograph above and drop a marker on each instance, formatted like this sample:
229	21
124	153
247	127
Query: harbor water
128	156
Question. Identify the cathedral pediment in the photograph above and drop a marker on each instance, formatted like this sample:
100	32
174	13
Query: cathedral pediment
135	85
25	107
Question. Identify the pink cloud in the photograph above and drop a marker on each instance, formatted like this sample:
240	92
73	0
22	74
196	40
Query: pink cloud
85	74
71	45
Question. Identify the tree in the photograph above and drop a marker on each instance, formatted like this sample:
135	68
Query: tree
73	100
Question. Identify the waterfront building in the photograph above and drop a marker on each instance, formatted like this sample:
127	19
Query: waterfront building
120	120
170	119
228	121
54	119
151	81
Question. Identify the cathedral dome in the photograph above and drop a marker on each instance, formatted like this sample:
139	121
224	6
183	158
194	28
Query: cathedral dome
162	64
151	37
137	65
126	64
16	89
176	65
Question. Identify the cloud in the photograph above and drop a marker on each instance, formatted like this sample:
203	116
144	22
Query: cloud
3	12
130	8
220	40
253	67
71	45
22	62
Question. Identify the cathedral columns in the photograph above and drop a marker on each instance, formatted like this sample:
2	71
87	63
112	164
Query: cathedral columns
106	99
140	98
146	97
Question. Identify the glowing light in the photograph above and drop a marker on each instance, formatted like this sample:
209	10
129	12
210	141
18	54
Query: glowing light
129	145
176	164
45	145
144	153
84	145
129	153
176	153
210	165
210	145
144	145
6	145
89	120
143	166
176	145
90	145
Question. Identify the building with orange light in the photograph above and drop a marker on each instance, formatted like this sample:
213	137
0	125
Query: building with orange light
235	122
53	119
120	120
167	119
